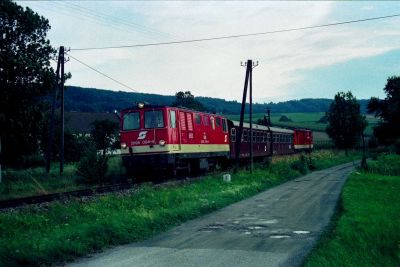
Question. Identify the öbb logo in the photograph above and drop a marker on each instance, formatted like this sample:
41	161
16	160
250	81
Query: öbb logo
142	135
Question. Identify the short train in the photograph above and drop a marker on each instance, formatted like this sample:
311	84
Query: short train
168	140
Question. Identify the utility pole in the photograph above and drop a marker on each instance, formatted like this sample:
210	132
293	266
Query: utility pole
62	51
53	107
250	65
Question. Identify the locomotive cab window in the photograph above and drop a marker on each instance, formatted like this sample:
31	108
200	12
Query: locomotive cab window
153	119
131	121
172	118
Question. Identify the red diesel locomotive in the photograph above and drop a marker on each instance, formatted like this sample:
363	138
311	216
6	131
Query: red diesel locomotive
166	140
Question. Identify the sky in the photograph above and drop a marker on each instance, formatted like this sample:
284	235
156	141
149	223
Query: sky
313	63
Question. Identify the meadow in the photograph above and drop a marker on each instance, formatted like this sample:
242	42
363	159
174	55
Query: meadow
366	228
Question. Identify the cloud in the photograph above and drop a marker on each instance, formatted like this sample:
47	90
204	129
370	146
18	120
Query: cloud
213	68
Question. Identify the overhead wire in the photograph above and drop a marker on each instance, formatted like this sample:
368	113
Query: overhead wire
235	36
102	73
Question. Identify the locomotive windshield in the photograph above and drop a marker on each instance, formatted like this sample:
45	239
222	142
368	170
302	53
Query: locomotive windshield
131	121
153	119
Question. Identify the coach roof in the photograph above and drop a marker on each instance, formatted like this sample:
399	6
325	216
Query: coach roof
264	128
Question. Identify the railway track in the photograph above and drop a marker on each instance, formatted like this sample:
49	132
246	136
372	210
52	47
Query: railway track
20	202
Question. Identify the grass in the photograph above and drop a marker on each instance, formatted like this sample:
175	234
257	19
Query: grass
63	231
35	181
366	230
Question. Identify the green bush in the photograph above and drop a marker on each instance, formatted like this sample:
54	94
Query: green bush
385	165
300	165
92	167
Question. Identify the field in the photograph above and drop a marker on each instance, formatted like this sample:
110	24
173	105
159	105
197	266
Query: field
62	231
366	230
304	120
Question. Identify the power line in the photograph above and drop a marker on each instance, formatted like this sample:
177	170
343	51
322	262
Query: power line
102	73
236	36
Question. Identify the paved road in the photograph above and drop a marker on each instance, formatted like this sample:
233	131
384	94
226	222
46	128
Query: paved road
275	228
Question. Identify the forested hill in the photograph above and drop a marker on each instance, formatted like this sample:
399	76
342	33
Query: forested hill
96	100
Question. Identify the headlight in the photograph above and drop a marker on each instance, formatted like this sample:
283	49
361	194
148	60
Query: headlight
140	105
123	145
162	143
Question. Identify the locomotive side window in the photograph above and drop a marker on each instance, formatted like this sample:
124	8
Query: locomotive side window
224	126
206	120
172	118
213	123
233	135
131	121
197	118
153	119
218	122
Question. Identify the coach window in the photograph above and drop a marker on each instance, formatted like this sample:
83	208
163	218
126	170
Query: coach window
197	118
224	126
254	136
153	119
265	134
131	121
244	136
233	135
172	118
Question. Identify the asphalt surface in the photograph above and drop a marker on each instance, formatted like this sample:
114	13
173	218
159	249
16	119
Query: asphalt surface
278	227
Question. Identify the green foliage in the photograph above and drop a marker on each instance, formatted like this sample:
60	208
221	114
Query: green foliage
187	100
104	134
388	130
346	124
284	118
385	165
92	167
62	232
25	77
97	100
366	231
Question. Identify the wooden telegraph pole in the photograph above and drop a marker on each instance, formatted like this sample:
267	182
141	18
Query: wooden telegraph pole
53	107
59	85
250	65
62	110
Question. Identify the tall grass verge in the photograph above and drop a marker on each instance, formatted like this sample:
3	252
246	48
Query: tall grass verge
366	231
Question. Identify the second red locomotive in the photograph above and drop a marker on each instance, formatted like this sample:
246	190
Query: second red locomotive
170	139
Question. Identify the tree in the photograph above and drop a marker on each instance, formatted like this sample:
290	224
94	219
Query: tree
187	100
25	78
388	130
104	134
284	118
345	122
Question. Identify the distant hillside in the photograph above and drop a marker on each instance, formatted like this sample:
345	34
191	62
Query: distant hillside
96	100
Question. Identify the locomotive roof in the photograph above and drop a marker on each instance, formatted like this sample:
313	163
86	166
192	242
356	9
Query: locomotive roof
262	127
